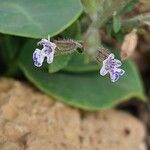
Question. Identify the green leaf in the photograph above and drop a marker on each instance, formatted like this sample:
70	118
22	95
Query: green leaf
129	6
87	90
36	18
73	31
59	63
78	64
116	23
9	48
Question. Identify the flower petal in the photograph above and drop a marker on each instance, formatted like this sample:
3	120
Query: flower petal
38	58
103	70
111	56
43	42
114	77
53	45
116	74
47	43
47	51
117	63
50	57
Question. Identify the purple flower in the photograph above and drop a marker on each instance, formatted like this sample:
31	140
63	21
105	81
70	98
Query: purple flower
48	50
111	66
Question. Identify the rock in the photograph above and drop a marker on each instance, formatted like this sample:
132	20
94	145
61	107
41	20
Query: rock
112	129
14	131
30	120
11	146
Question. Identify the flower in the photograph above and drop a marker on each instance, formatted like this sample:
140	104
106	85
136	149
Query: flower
48	50
111	66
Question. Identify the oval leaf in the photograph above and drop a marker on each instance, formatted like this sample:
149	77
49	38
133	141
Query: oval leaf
77	64
87	90
116	24
36	18
59	63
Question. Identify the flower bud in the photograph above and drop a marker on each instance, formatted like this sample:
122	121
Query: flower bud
129	44
66	46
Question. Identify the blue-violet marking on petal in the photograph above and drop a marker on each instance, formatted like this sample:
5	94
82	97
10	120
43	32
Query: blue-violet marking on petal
116	74
38	58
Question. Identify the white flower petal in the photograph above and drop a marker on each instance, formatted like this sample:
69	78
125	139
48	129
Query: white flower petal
103	71
117	63
53	45
111	56
50	57
116	74
43	42
122	72
114	77
38	58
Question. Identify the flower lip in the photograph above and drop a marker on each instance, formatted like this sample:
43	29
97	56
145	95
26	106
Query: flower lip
38	58
116	74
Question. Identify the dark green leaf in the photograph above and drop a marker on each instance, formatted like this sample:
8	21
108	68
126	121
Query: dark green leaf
9	48
87	90
116	24
36	18
78	64
129	6
74	31
59	63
